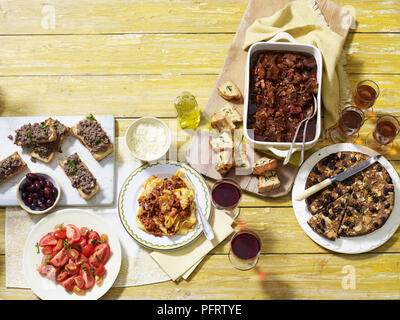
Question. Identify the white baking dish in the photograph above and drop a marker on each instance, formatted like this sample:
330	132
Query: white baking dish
281	148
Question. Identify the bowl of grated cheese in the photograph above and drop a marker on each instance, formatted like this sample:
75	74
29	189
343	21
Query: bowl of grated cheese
148	139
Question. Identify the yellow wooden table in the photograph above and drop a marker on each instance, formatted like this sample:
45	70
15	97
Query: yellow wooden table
130	59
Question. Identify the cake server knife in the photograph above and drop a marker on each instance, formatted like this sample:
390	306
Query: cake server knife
340	177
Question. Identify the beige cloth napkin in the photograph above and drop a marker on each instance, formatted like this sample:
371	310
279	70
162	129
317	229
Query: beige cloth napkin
180	263
306	24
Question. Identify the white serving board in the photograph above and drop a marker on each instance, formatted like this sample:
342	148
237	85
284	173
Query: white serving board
103	171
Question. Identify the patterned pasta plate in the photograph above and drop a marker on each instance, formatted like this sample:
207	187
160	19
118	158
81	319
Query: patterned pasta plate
128	204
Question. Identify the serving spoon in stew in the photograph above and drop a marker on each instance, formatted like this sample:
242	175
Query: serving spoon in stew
310	114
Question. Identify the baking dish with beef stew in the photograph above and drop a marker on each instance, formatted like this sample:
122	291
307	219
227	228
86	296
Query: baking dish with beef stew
281	79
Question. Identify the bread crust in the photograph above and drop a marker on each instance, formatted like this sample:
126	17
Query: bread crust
20	169
82	194
97	155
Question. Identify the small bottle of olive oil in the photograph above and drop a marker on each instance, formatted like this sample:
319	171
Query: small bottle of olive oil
188	112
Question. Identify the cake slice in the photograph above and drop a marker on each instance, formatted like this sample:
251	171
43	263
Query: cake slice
328	219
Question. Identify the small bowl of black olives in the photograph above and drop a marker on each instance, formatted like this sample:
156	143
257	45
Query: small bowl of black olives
38	193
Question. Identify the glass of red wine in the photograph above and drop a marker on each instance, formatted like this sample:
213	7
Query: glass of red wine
346	129
245	248
226	194
386	129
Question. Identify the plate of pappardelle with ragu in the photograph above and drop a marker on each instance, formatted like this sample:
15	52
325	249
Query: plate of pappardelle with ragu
159	203
352	216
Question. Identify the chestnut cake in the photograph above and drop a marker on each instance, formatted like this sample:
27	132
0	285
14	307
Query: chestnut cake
354	207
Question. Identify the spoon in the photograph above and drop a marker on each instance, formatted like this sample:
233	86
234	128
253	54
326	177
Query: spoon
310	114
305	129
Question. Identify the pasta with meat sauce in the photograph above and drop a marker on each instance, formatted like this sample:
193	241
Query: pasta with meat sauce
167	206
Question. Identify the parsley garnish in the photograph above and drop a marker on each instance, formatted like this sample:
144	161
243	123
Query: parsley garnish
37	247
229	88
90	118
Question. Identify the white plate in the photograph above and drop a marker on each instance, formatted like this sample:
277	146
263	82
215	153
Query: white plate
351	245
128	205
47	289
103	170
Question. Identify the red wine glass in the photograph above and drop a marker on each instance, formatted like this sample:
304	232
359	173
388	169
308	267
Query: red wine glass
226	195
245	249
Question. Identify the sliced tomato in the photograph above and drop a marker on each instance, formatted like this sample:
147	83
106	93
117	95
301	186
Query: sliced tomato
48	270
82	242
85	231
60	259
73	254
100	255
88	250
62	275
68	283
47	250
81	259
48	240
80	283
87	277
93	235
100	271
72	268
73	234
60	234
58	246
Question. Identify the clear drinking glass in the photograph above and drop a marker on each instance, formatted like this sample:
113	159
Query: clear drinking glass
386	129
365	94
226	195
346	129
245	249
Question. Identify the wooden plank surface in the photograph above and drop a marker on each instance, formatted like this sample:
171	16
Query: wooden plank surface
131	58
143	16
161	54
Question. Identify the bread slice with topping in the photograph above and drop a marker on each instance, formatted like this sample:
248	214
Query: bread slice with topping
45	152
222	121
232	112
29	134
93	137
11	166
224	161
268	181
229	91
222	142
264	165
80	176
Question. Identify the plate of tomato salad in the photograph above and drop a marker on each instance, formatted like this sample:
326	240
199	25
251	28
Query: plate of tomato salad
71	254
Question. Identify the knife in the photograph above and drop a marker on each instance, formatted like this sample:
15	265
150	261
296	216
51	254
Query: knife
340	177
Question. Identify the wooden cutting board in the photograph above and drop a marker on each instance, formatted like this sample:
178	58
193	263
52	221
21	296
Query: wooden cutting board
198	154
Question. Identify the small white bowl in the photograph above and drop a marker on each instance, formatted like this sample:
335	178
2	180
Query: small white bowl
129	135
47	177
